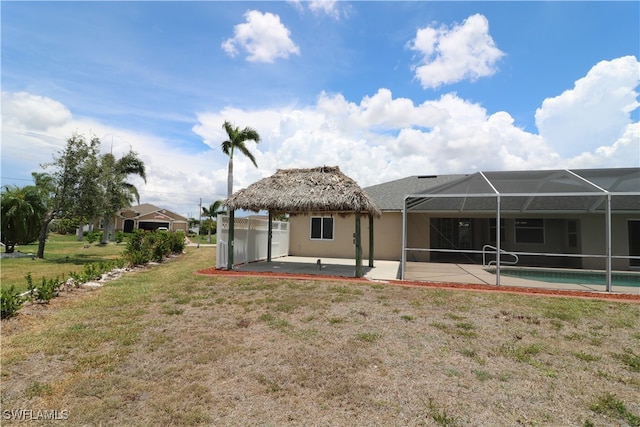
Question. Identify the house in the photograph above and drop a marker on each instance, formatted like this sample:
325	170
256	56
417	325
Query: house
149	217
556	218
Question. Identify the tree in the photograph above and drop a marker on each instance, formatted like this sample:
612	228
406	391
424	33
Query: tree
87	206
61	190
237	139
21	210
211	213
116	191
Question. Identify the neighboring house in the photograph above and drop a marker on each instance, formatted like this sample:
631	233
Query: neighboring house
149	217
554	218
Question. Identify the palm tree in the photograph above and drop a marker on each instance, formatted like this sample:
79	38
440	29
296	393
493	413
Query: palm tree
237	139
21	210
117	192
211	213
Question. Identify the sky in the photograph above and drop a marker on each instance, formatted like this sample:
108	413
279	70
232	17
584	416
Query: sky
384	90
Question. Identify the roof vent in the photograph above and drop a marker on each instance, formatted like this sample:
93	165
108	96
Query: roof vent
427	176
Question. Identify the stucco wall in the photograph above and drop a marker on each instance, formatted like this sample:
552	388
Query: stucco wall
388	238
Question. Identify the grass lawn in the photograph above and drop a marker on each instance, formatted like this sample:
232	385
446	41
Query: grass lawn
164	346
62	255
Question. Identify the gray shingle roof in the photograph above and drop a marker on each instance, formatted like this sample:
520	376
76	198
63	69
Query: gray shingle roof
623	182
389	196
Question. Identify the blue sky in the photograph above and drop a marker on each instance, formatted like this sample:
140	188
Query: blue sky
382	89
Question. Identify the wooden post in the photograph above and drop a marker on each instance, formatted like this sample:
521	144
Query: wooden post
370	240
269	236
230	240
357	241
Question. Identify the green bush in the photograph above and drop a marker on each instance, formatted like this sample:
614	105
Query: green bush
161	244
177	242
138	251
45	291
119	237
93	236
10	302
143	247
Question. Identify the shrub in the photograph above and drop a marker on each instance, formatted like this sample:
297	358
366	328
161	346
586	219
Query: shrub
93	236
177	242
10	302
119	237
138	251
161	243
45	291
143	247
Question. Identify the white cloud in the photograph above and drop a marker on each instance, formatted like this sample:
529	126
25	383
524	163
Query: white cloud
37	113
263	37
382	138
465	51
624	152
377	139
332	8
35	128
595	111
328	7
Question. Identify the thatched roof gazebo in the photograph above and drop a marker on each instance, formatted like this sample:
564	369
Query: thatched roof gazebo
319	189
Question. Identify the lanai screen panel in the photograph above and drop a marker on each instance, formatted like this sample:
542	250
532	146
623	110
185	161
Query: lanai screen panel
623	180
534	191
624	185
455	196
538	182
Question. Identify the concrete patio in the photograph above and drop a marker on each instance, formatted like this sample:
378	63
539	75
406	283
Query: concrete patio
416	271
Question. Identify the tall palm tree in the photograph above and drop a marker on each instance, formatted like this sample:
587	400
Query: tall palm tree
212	212
117	192
237	139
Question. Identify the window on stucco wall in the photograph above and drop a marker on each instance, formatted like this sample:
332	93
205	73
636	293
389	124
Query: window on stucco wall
321	228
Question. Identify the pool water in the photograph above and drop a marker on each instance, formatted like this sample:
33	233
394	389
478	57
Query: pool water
576	277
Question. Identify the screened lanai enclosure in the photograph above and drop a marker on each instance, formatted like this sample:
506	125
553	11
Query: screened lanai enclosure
574	219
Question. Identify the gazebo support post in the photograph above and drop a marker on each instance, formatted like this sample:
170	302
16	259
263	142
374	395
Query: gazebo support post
357	241
608	242
230	240
370	240
269	235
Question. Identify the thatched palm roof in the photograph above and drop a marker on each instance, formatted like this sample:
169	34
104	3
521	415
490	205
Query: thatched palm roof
320	189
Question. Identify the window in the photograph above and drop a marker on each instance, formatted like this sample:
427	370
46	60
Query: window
321	228
492	230
634	242
572	233
529	230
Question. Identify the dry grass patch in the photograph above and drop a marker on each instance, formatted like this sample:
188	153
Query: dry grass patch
168	347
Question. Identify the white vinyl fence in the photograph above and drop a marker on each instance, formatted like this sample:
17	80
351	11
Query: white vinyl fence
250	240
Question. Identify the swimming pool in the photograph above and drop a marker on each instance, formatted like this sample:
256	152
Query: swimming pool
629	279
